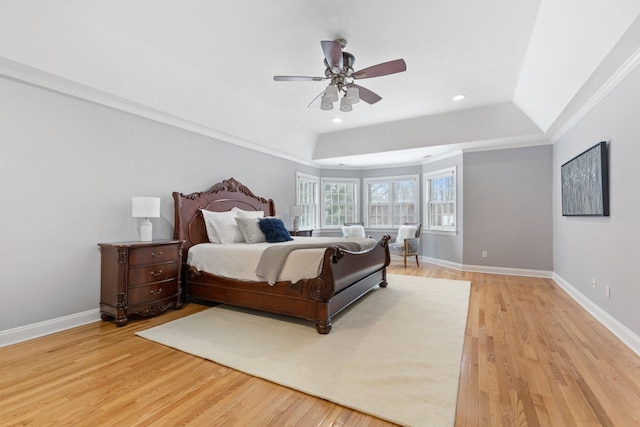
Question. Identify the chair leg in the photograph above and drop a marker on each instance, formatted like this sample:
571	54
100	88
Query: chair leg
417	262
405	261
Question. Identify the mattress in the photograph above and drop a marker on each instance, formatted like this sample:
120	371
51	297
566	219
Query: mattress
239	261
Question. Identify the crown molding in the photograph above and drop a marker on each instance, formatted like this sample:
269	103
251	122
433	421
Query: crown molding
35	77
629	65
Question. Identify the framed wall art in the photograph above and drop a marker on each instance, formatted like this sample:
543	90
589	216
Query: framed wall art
585	183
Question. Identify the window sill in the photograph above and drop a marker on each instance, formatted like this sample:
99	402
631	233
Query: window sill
441	232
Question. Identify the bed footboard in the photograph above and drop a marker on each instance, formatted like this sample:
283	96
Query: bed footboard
344	278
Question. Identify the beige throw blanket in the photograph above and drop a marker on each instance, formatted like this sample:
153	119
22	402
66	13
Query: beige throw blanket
273	258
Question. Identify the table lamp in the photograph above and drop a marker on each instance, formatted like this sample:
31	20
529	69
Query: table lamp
295	211
145	207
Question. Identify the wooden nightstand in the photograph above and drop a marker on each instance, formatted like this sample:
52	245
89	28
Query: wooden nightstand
304	233
139	277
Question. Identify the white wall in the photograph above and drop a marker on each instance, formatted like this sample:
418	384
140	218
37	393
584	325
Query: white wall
605	248
68	170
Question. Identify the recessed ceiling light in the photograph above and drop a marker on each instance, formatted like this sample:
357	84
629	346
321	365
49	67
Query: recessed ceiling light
459	97
337	120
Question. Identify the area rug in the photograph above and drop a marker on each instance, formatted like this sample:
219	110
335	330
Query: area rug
395	354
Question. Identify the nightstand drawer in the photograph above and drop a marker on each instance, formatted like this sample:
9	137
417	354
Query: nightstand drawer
149	293
153	273
152	255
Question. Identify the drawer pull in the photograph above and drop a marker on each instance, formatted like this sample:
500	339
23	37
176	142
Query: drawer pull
158	292
156	255
154	274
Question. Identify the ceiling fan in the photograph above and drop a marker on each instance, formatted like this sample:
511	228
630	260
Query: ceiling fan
341	75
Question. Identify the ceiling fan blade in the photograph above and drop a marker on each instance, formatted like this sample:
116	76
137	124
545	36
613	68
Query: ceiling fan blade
315	103
383	69
298	79
333	55
367	96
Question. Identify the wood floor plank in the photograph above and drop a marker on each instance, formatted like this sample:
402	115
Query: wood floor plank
531	356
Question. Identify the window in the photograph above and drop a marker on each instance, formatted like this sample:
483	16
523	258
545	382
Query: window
440	189
307	196
392	201
339	201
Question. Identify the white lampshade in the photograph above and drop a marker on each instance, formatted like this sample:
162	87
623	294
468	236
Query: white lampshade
145	207
353	95
345	106
331	93
295	210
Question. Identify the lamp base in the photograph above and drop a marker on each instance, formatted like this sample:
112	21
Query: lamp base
146	230
296	223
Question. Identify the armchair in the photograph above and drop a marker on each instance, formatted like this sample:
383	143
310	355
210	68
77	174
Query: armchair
353	229
407	241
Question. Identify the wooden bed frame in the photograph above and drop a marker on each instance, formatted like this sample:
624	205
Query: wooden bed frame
344	278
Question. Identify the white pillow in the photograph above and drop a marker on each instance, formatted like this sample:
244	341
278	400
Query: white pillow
406	232
248	214
222	227
209	218
250	229
353	231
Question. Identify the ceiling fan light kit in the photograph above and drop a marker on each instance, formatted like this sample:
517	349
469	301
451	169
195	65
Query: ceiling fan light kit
339	70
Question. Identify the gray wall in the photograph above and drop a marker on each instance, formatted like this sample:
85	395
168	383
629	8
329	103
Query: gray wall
605	248
68	170
508	209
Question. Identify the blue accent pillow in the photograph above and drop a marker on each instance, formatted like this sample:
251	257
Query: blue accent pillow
274	230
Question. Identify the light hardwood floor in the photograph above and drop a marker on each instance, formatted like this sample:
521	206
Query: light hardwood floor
532	356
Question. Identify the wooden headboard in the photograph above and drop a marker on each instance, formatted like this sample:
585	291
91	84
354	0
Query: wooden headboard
223	196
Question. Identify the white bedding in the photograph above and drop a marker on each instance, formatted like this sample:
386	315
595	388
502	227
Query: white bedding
239	261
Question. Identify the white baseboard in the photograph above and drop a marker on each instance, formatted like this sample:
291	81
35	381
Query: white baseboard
489	269
625	335
35	330
508	271
618	329
442	263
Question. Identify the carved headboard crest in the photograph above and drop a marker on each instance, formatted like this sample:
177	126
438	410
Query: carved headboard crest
232	185
189	225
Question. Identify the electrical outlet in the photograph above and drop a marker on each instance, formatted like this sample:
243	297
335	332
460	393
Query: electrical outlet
608	290
484	254
593	283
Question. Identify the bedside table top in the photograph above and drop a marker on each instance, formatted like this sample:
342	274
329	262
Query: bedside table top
139	244
301	233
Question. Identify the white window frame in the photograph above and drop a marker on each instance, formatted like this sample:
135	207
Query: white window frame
310	205
428	178
356	197
390	180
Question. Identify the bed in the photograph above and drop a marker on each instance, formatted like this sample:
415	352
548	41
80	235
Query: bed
344	275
